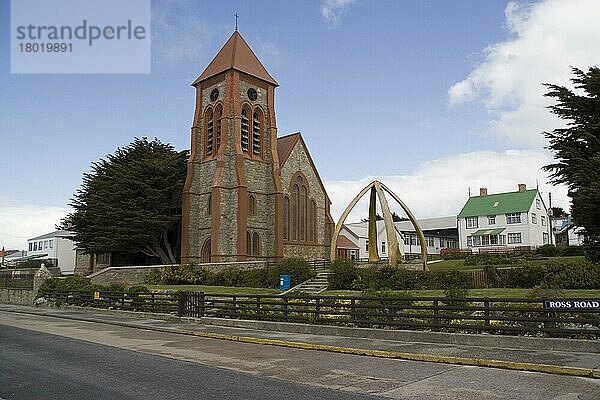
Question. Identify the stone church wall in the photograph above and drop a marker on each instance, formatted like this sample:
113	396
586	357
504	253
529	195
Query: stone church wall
299	161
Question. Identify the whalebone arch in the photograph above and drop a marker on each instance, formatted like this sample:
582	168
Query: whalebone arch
378	189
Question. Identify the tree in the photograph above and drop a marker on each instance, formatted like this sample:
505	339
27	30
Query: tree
558	212
397	218
377	218
130	201
576	149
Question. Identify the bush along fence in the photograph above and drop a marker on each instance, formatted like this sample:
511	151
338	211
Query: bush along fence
565	275
444	314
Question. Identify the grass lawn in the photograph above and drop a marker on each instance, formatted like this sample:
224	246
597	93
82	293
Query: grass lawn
492	293
457	265
213	289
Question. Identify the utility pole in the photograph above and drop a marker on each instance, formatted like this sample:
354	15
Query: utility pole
550	218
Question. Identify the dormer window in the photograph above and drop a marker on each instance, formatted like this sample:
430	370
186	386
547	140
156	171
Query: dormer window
472	222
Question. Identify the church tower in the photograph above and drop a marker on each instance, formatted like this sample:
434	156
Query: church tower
232	198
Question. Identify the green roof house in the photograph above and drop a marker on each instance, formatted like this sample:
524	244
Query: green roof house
504	221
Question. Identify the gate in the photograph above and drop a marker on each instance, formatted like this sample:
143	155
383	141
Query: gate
191	304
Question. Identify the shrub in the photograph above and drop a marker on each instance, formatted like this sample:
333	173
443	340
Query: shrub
548	250
347	276
343	274
69	283
298	269
229	276
565	275
456	293
490	259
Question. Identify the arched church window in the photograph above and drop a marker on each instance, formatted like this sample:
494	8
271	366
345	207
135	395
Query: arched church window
286	218
302	206
255	244
251	205
312	221
295	201
209	128
218	115
245	129
248	243
256	133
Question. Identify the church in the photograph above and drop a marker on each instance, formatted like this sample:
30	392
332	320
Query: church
249	194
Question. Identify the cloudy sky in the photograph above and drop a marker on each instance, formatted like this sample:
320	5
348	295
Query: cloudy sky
433	98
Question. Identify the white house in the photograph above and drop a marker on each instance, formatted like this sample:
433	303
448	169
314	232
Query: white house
504	220
57	246
565	233
440	233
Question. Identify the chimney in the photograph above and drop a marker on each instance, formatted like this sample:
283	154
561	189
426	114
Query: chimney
522	187
482	192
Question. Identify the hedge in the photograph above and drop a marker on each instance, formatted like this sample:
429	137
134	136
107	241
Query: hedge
346	276
561	275
298	268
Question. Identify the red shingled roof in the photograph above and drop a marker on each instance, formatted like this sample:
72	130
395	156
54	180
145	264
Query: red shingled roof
285	144
344	243
236	54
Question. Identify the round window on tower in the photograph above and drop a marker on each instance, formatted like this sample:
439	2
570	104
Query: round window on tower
214	95
252	95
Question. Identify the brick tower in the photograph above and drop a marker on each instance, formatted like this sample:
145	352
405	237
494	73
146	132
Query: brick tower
232	198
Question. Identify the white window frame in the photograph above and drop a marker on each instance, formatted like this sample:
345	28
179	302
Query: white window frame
538	204
545	238
543	220
491	220
383	247
533	218
513	218
470	241
472	222
515	238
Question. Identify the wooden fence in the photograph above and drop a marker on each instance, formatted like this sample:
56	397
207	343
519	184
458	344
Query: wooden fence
475	315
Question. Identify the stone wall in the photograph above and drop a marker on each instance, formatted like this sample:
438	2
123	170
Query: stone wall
16	296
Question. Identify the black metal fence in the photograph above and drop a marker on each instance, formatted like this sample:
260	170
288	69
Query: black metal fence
474	315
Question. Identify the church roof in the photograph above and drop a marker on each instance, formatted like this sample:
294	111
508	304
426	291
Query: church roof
285	144
236	54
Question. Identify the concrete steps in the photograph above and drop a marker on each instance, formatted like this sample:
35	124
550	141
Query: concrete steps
312	286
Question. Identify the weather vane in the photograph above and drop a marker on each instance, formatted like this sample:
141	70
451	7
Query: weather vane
236	19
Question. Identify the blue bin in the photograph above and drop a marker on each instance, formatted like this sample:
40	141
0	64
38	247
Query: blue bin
284	282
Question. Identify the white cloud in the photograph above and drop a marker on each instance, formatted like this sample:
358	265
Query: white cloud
332	10
545	40
440	188
21	221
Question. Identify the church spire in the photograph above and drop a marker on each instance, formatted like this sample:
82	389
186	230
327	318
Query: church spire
236	54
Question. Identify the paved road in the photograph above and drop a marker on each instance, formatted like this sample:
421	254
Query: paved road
37	365
242	370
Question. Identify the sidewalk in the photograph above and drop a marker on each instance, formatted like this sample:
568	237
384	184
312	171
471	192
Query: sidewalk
573	357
